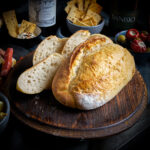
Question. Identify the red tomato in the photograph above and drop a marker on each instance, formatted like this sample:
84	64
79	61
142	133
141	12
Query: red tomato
132	34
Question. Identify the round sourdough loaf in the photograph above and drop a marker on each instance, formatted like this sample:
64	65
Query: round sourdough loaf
94	74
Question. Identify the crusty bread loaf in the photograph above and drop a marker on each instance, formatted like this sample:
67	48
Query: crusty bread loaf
51	44
93	74
77	38
39	77
107	39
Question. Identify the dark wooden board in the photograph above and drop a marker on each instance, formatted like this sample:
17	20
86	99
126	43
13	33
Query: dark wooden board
43	112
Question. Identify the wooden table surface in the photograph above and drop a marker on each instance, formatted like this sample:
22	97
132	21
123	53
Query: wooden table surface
19	136
115	116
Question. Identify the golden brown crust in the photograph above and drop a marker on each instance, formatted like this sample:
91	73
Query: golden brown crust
84	45
60	81
93	40
93	74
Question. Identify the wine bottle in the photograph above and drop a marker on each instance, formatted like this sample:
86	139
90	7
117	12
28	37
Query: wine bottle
123	14
43	13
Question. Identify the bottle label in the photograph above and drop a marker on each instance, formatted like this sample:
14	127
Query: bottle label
42	12
123	20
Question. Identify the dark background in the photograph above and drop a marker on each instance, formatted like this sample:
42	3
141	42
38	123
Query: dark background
21	7
18	135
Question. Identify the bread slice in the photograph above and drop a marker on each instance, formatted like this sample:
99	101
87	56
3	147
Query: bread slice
93	75
77	38
39	77
51	44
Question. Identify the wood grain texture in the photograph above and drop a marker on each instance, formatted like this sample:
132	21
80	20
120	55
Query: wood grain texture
44	113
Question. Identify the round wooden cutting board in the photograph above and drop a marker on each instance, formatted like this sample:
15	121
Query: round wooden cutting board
44	113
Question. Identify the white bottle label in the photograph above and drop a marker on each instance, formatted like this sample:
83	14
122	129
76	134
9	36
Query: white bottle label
42	12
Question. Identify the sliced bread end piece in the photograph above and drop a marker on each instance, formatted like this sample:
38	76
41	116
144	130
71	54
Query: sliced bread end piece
39	77
77	38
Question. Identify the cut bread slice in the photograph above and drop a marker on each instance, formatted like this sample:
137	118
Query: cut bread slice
51	44
77	38
39	77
